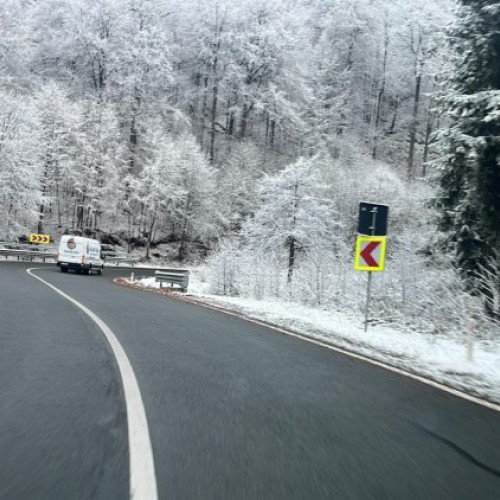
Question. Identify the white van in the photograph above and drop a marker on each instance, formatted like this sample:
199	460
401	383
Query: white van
80	254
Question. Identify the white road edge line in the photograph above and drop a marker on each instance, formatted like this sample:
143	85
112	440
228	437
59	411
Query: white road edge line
141	464
380	364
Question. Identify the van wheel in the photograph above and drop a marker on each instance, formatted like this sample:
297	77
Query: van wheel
99	271
64	269
86	272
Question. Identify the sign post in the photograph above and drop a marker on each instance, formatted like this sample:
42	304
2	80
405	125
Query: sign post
370	250
368	297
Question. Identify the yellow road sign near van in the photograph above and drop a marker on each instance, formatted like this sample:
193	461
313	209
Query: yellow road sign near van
42	239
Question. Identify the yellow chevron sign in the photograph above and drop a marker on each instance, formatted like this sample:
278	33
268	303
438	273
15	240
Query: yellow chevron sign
43	239
370	253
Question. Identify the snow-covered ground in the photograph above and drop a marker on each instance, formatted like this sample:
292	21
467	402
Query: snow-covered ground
443	359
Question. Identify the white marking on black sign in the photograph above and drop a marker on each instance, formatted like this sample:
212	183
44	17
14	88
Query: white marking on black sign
141	463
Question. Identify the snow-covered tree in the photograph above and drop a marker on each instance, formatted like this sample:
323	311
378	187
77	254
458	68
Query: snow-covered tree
143	81
176	190
197	216
293	212
19	170
157	188
59	121
97	179
470	171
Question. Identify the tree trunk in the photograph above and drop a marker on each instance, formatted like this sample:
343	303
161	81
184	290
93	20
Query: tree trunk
394	117
73	216
380	93
244	120
427	140
419	63
88	220
414	126
292	243
129	231
183	242
150	235
230	127
40	219
132	145
79	217
203	112
133	133
41	211
291	258
215	94
58	202
272	133
342	125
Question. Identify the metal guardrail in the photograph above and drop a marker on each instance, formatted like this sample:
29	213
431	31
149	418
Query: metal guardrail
22	254
11	244
27	254
22	246
121	260
173	277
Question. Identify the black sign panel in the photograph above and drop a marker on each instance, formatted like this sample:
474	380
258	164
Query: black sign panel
373	219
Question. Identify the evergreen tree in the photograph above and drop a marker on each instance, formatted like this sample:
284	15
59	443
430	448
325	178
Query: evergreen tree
470	174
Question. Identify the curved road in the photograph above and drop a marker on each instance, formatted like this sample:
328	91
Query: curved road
235	410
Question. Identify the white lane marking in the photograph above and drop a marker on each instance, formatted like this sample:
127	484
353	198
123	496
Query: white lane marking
141	463
419	378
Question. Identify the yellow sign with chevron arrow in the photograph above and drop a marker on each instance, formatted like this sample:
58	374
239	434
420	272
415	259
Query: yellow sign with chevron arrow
41	239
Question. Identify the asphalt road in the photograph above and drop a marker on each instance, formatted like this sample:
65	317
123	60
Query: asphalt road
235	410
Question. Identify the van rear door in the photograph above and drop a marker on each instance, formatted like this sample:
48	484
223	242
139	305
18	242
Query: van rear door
71	250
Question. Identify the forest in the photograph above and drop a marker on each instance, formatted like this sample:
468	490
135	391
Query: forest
241	136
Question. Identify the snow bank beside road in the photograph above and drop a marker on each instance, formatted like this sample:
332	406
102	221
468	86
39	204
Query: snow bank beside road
443	359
